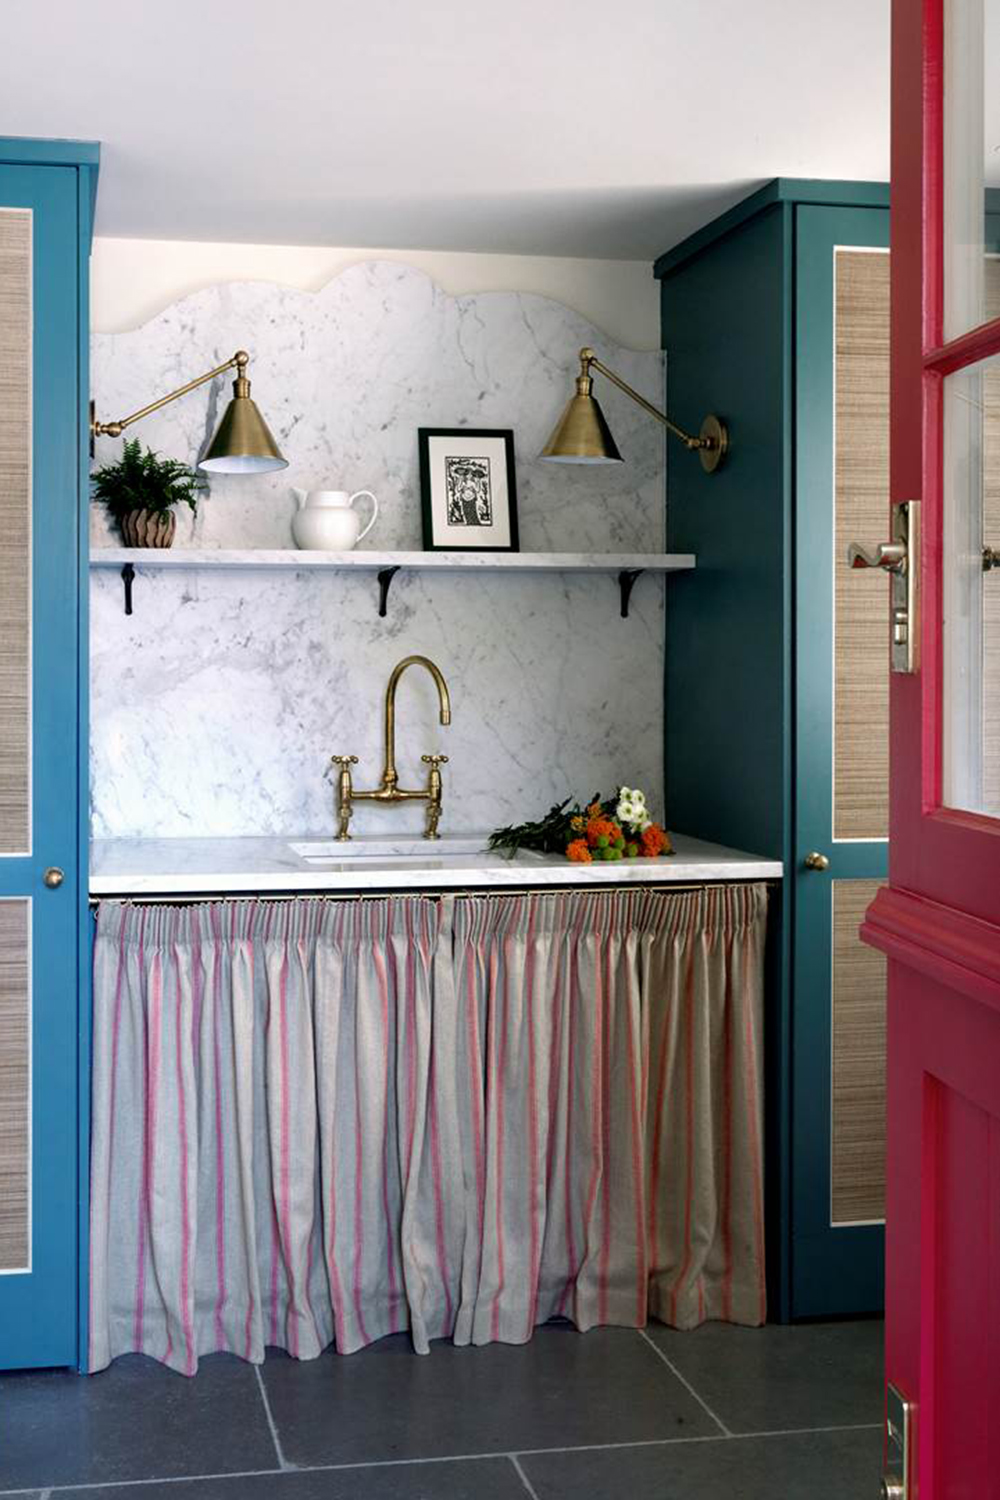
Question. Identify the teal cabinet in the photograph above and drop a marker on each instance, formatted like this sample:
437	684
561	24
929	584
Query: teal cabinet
46	203
775	712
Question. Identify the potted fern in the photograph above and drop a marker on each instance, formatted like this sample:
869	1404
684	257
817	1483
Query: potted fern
140	492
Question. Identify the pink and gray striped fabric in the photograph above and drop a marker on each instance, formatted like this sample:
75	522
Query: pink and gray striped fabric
320	1121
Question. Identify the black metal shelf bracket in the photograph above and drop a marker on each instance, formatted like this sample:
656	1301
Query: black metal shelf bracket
626	582
385	577
128	578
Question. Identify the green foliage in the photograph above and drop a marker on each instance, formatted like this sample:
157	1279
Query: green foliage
549	835
144	481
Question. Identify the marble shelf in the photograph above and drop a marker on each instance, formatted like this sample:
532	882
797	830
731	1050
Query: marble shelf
627	565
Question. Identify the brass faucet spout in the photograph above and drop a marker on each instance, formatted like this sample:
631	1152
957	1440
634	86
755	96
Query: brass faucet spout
389	776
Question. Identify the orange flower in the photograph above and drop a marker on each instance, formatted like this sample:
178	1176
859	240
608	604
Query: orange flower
597	828
594	810
577	824
578	852
654	841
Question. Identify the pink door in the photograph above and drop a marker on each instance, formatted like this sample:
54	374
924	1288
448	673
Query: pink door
938	920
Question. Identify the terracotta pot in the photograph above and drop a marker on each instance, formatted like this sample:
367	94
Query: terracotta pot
141	528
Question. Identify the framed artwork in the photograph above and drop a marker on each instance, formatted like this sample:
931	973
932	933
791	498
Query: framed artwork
467	489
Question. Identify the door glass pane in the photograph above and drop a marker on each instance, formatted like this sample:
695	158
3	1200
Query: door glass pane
15	1096
971	635
15	529
971	158
861	508
857	1166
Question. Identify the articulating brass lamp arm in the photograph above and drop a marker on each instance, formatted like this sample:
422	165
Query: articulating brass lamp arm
711	444
239	362
589	361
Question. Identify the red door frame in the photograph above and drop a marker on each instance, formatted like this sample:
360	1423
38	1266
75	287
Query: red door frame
939	919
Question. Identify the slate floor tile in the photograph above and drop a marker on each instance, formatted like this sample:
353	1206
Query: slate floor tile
778	1377
135	1420
563	1388
805	1466
468	1479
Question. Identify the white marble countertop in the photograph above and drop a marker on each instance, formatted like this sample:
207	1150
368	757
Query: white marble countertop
224	866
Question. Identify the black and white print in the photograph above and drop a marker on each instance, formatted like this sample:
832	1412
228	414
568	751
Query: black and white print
470	494
468	489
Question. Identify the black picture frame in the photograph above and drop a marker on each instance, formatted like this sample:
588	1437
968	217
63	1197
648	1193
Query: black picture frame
435	500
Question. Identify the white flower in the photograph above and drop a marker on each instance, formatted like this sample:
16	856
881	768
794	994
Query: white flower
631	808
626	809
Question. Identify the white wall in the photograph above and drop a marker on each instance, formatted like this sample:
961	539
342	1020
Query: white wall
132	280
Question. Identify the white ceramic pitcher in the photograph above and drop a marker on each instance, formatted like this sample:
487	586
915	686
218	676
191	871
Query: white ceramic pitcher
326	520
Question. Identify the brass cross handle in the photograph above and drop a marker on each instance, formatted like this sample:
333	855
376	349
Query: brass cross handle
434	760
345	793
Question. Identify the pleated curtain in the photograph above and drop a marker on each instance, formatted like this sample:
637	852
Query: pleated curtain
327	1121
611	1089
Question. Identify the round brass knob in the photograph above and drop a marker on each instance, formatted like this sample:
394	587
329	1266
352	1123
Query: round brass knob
816	861
53	877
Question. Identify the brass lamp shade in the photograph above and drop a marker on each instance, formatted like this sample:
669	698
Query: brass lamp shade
582	436
242	443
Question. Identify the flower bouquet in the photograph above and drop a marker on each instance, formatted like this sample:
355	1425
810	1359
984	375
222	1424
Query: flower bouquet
619	827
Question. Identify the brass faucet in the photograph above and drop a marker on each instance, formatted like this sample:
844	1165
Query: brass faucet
389	790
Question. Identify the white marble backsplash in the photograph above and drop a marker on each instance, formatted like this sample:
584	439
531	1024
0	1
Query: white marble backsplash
216	705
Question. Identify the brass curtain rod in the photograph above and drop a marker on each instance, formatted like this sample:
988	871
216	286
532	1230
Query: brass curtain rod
459	893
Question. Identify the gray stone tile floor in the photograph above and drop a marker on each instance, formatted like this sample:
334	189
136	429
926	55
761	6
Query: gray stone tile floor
722	1412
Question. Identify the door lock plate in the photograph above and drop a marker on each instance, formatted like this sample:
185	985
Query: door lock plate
905	589
898	1480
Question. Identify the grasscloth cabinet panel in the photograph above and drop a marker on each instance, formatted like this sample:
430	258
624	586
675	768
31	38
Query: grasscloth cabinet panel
15	1090
857	1148
15	529
861	484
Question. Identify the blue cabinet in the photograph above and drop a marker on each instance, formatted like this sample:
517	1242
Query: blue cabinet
771	742
46	203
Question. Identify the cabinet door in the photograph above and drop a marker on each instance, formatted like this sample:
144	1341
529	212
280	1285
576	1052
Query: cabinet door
841	760
39	715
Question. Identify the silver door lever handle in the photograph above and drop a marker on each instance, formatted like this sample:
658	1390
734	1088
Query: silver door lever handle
889	555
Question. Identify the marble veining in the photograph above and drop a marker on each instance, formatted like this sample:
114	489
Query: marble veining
216	705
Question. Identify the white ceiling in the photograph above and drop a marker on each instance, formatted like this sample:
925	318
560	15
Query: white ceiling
589	128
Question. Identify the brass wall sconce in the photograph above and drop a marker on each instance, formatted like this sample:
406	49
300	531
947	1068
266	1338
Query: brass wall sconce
242	443
582	435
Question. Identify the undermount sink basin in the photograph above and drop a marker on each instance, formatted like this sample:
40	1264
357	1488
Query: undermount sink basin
327	851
